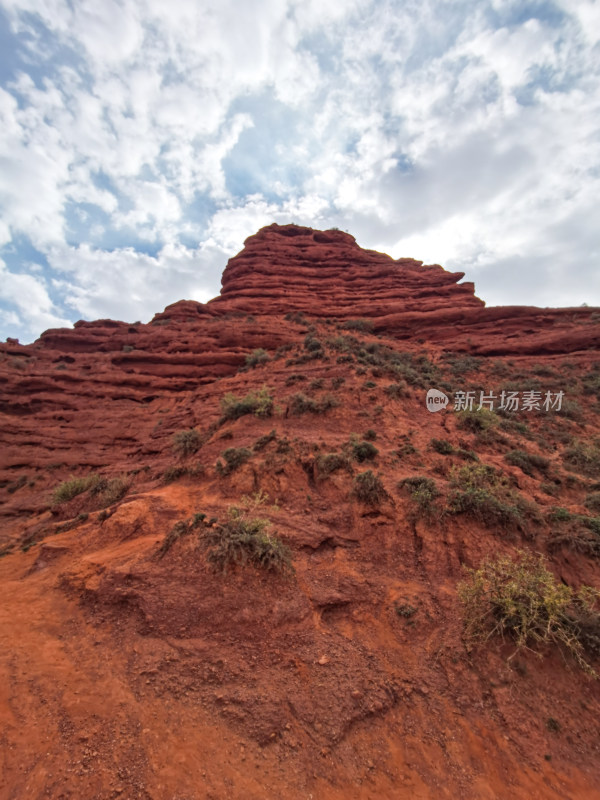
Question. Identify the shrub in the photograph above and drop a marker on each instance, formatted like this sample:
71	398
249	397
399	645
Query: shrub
575	531
461	364
257	357
405	610
312	345
442	446
527	462
396	390
174	473
484	494
592	501
364	451
514	426
331	462
483	505
242	540
577	539
297	317
591	382
406	448
478	422
522	599
423	491
363	325
571	410
583	458
337	382
185	443
234	457
67	490
264	440
368	488
296	377
301	404
558	514
180	529
477	476
258	402
110	490
370	435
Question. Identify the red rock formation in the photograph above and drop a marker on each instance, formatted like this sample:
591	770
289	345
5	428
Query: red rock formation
132	671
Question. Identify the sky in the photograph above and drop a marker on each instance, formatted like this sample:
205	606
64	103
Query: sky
142	141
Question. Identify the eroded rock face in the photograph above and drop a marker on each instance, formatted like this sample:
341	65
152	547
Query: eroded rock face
130	669
286	268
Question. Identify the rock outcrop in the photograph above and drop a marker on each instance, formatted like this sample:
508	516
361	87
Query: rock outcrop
131	667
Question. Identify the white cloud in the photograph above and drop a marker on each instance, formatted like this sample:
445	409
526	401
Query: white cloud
459	132
127	285
34	310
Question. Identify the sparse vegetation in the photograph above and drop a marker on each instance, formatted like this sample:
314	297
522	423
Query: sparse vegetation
423	492
264	440
571	410
110	490
460	363
522	599
412	368
362	325
331	462
186	443
576	532
368	488
106	490
313	345
180	529
363	451
295	377
174	473
259	402
233	458
297	317
442	446
583	458
67	490
245	540
485	495
405	610
480	422
302	404
529	463
592	501
257	357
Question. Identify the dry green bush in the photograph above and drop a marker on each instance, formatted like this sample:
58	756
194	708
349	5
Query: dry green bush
521	599
245	540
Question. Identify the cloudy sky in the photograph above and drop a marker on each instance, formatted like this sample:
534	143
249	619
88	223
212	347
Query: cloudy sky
141	141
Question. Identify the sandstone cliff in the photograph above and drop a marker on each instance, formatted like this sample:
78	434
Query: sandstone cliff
132	668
